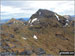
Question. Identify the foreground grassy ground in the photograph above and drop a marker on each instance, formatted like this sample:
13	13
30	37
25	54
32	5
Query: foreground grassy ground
47	38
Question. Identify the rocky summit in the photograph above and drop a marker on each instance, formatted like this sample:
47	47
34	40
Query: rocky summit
45	33
46	17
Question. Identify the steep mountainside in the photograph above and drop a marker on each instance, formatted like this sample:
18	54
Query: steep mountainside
46	32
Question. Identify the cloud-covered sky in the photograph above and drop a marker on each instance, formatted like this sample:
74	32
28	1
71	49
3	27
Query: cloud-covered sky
24	9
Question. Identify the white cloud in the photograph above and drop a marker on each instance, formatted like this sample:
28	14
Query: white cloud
10	10
27	8
65	6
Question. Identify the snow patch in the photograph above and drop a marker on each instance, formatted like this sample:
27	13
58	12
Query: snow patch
66	24
29	21
67	20
35	37
39	13
24	38
57	17
34	20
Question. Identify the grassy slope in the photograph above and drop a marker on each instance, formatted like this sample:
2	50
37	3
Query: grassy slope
46	38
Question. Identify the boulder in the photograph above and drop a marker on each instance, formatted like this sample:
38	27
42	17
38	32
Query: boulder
26	52
39	51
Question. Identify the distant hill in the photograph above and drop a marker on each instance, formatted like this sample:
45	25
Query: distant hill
2	21
69	17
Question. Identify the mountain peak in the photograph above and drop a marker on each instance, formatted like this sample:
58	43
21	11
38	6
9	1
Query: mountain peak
43	12
43	16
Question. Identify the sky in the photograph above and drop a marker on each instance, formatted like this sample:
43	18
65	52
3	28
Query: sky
24	9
